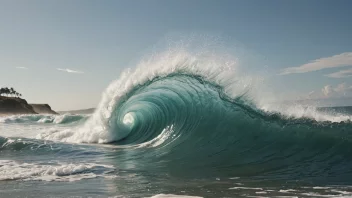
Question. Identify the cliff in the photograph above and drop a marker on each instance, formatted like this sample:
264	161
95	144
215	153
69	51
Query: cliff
11	105
43	109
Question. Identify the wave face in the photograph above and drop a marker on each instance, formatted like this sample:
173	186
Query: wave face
183	111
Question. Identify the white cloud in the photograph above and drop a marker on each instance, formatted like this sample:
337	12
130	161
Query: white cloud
340	60
343	87
327	90
21	68
340	90
341	74
70	71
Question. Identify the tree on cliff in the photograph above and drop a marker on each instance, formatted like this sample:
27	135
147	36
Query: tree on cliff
12	92
5	91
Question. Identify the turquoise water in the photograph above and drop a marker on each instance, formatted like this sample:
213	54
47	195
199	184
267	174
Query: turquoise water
184	131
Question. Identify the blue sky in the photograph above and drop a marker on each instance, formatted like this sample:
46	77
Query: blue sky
66	52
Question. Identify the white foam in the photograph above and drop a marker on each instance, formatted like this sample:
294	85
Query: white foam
321	187
173	196
303	111
313	194
287	191
244	188
12	170
46	120
55	134
161	138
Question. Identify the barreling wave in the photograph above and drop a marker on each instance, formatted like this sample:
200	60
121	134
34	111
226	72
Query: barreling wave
198	112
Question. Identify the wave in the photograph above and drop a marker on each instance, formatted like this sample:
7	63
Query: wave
190	110
42	118
52	171
181	89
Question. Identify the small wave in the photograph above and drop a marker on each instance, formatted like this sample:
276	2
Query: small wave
23	144
12	170
36	118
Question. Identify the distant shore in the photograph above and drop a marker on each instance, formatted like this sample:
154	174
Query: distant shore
80	111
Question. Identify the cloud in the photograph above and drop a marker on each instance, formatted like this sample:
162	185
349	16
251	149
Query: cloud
21	68
340	60
341	74
70	71
340	90
327	90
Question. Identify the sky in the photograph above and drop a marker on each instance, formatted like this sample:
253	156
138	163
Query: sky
65	53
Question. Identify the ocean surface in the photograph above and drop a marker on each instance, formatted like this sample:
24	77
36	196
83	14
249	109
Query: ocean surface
184	126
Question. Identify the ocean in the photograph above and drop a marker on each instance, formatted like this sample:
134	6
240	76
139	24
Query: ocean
183	127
